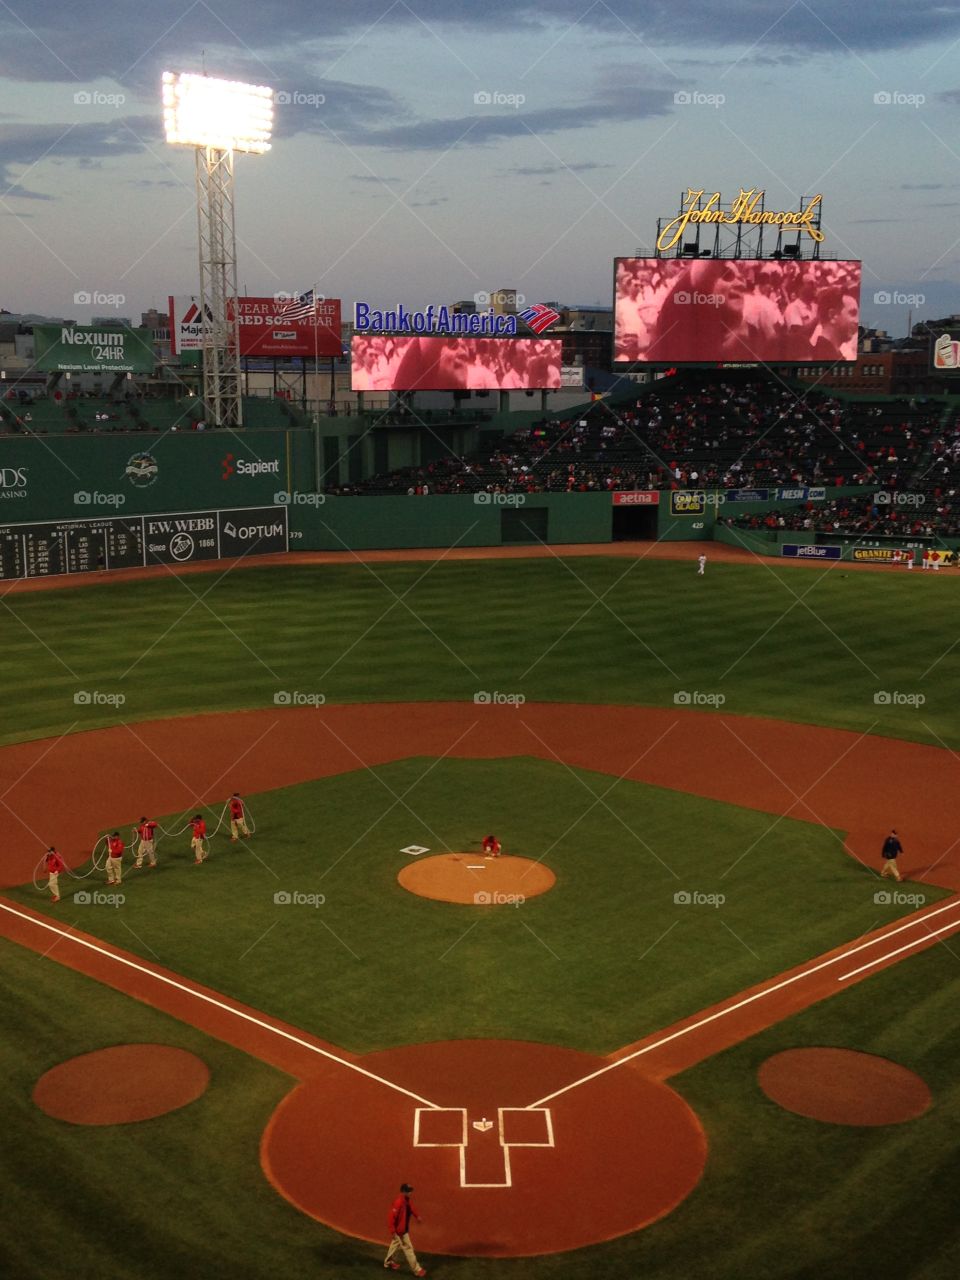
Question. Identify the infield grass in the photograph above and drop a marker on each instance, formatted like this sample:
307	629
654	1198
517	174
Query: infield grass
604	958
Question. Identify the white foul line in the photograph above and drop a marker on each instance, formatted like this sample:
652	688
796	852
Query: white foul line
219	1004
931	933
759	995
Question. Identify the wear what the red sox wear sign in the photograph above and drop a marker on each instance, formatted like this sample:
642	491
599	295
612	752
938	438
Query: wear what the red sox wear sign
267	327
636	498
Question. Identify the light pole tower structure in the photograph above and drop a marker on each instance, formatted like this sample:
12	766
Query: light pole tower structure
218	118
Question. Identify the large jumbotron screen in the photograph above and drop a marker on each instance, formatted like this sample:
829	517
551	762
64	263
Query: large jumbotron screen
382	363
676	309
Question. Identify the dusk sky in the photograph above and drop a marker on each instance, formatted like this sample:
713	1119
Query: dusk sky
389	182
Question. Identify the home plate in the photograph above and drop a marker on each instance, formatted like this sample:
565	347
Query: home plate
414	850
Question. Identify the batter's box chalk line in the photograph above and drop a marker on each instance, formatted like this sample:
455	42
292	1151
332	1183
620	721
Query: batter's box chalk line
452	1126
414	850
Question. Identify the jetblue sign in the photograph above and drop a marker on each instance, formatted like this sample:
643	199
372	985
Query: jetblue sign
809	551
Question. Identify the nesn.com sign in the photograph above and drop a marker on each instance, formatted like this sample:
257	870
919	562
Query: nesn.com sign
433	319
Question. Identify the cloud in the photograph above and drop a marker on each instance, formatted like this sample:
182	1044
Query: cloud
613	105
66	42
32	144
143	183
952	96
372	177
927	186
535	170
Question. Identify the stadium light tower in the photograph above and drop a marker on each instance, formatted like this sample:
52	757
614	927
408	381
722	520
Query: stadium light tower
217	118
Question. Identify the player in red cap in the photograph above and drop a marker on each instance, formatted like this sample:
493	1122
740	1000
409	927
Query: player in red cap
147	848
401	1211
53	864
199	836
491	847
238	818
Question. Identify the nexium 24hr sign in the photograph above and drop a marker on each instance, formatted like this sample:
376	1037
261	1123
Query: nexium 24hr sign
62	348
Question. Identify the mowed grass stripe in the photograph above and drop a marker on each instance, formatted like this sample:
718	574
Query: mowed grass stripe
529	627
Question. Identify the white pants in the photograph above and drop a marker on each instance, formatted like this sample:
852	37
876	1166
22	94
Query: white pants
402	1244
146	849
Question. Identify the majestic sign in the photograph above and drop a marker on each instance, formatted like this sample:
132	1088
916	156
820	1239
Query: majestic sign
92	349
743	210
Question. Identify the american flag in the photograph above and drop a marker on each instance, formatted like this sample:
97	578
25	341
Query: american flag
298	307
539	317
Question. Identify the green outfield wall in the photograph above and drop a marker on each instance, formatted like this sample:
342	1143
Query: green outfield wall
70	476
455	520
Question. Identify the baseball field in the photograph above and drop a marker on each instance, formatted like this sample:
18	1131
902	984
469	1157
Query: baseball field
681	1028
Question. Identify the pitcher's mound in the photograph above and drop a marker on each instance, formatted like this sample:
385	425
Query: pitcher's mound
843	1086
119	1085
478	881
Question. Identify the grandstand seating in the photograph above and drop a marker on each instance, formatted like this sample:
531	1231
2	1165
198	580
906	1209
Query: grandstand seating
753	434
87	414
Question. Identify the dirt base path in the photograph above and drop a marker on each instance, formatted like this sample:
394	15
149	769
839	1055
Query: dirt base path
817	775
827	776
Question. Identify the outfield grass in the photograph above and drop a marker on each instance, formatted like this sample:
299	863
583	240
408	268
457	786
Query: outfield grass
800	645
183	1194
604	958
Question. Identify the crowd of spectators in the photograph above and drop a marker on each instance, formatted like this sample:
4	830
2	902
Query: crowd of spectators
753	435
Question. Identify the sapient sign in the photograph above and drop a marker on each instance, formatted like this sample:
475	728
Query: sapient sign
92	349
